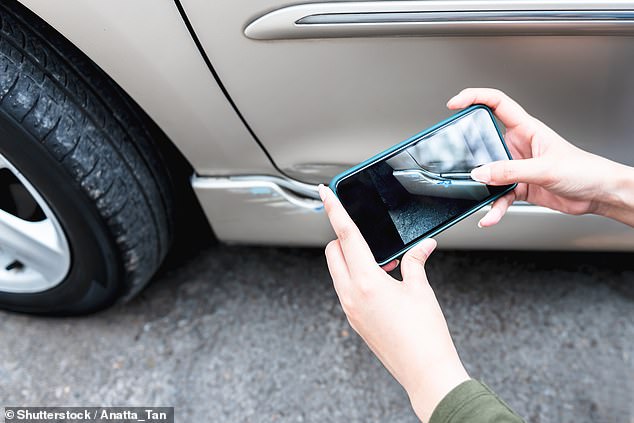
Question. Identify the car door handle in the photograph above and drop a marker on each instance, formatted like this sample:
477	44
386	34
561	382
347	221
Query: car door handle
444	18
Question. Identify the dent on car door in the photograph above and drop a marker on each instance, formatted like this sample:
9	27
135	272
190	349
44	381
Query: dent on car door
326	85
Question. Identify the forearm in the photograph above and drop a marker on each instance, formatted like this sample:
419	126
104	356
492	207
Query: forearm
618	200
438	381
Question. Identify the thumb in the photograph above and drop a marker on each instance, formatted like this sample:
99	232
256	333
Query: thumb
413	263
506	172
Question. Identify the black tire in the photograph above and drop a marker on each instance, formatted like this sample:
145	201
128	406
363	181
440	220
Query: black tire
86	148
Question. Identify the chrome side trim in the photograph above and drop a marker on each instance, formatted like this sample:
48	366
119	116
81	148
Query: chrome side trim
256	209
291	185
470	16
444	17
262	209
265	187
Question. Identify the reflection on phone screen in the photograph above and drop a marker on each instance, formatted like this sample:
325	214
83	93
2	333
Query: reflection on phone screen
412	192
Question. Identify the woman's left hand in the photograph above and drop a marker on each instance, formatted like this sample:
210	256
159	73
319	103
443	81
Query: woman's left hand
401	322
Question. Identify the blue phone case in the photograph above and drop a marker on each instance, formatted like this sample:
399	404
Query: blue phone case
402	145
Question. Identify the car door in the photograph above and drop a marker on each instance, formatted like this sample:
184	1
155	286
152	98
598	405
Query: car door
326	85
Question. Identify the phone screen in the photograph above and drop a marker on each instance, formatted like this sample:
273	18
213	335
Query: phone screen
424	185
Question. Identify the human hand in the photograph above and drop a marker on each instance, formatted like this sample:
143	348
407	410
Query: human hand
401	322
550	171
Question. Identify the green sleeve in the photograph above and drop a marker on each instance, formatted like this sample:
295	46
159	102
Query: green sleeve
473	402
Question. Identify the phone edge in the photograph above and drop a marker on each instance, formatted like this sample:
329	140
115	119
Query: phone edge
337	178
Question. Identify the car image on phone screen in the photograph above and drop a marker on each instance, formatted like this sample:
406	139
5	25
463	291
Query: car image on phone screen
422	186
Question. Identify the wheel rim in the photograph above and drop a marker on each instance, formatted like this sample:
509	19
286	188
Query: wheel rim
34	252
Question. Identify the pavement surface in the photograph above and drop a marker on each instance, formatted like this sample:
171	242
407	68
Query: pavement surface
241	334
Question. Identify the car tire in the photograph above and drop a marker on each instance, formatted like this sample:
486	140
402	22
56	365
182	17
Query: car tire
80	147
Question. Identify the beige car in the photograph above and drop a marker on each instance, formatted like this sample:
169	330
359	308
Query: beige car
123	121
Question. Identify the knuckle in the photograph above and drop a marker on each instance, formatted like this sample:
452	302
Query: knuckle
548	180
419	258
366	290
466	91
506	203
348	306
368	283
346	233
371	273
521	192
498	98
503	172
507	172
498	93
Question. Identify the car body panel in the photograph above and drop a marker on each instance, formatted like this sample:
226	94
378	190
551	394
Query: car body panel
321	105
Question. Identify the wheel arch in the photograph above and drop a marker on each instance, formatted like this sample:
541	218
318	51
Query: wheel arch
152	58
188	217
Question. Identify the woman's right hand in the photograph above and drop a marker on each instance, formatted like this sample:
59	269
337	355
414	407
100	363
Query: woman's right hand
550	171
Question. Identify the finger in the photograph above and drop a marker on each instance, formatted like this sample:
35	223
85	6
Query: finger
498	209
355	250
390	266
507	110
336	263
413	263
506	172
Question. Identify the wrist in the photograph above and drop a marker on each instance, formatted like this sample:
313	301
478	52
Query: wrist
432	388
617	199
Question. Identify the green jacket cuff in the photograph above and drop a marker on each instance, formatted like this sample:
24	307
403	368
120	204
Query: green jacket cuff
473	402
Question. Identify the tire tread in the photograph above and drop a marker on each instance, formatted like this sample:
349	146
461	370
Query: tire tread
86	123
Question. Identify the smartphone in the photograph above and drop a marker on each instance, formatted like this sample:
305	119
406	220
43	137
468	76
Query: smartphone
422	186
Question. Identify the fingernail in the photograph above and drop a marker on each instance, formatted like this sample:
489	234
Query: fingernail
480	225
481	174
322	192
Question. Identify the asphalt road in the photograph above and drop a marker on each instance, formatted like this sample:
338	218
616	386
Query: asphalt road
256	335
